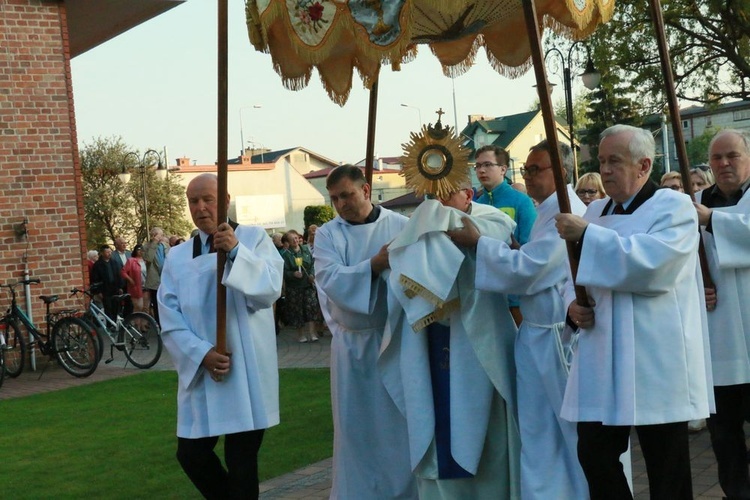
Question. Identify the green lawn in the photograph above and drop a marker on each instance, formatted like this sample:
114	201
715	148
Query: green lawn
116	439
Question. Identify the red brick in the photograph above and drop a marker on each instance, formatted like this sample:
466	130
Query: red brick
40	175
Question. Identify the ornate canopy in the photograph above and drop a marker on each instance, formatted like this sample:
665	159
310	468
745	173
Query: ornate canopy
336	36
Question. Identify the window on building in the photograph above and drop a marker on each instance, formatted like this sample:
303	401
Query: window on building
743	114
685	124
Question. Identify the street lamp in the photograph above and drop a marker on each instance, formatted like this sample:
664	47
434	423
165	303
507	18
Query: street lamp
161	174
418	111
590	78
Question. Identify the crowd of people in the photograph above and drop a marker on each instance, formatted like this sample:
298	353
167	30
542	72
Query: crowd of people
465	360
437	394
137	273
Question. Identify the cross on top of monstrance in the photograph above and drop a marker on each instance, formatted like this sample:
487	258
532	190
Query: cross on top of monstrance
440	113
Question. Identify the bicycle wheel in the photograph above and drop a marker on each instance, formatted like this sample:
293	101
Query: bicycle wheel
142	340
2	366
75	346
98	333
15	349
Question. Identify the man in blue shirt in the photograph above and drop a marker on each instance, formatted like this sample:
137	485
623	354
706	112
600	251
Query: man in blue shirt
490	167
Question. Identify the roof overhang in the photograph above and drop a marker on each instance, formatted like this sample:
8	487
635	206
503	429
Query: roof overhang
91	23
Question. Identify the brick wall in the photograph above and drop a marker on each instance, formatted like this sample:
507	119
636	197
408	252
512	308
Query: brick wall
39	165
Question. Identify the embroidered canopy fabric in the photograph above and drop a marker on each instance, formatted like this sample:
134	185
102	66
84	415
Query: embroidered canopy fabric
336	36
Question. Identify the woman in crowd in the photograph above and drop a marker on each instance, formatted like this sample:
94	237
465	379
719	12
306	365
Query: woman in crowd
134	273
672	180
589	187
301	305
701	178
91	257
311	229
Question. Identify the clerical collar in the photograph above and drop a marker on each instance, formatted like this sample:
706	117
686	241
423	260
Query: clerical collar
625	204
203	236
713	197
372	217
632	204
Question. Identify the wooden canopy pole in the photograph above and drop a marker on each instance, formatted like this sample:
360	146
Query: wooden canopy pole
674	112
550	127
371	121
221	170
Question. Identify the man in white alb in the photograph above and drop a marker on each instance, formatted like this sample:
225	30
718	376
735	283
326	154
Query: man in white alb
640	359
370	445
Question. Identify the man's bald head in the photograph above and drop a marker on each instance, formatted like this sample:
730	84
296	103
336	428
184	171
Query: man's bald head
202	195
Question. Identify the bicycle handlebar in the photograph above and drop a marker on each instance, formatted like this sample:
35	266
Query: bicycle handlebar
32	281
76	291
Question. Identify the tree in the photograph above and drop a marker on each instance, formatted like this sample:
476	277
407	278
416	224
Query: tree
318	215
112	209
580	107
709	43
607	107
697	149
106	209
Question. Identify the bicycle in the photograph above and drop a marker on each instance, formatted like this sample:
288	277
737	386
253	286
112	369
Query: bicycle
2	355
137	335
67	338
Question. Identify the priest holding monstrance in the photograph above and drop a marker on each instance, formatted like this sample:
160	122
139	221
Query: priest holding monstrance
447	355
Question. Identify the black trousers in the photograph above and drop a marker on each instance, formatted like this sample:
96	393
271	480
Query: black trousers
110	306
114	306
728	438
154	305
665	449
203	467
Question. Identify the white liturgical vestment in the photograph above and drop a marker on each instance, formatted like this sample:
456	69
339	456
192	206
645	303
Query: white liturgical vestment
248	397
728	252
645	360
370	446
432	280
537	272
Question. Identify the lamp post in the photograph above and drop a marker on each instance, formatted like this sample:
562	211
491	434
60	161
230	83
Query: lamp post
141	165
419	111
590	78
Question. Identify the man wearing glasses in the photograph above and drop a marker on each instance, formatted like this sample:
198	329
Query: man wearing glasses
490	167
538	271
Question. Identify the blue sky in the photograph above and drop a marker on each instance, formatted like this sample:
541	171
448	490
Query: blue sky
155	86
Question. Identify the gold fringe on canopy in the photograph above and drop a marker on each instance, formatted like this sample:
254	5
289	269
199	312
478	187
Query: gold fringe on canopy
336	36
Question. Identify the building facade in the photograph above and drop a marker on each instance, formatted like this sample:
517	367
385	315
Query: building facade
695	121
273	194
387	183
514	133
42	229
